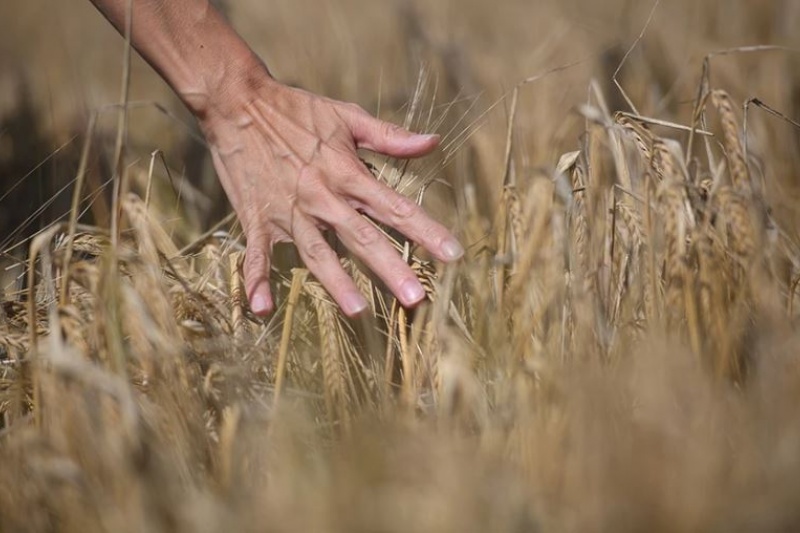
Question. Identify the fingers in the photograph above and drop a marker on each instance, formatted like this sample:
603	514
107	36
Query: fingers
376	135
323	262
393	209
256	275
372	247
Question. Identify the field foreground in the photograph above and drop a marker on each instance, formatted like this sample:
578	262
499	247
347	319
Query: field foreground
618	350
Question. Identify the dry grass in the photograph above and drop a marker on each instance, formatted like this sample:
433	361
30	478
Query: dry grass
616	352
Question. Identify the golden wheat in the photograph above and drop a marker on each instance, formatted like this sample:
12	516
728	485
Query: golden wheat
614	352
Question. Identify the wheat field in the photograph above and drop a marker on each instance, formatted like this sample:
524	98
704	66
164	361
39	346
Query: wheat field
616	351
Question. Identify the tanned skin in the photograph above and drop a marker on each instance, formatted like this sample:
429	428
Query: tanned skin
286	157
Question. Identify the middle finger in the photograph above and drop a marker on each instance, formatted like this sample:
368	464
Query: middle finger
373	247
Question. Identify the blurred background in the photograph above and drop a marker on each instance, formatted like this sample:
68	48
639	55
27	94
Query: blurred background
564	409
60	61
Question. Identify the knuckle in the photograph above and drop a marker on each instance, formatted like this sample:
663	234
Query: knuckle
346	171
308	176
317	251
354	168
365	235
401	208
390	129
255	261
309	184
434	233
258	230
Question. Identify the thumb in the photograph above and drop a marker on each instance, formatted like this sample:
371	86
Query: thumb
386	138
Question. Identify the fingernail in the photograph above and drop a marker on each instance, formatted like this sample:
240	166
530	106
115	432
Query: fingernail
411	292
431	137
353	304
452	249
260	305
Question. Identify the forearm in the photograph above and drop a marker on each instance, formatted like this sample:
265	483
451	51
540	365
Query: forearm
286	157
189	43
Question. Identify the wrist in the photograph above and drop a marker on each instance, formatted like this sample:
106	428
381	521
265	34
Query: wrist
191	45
228	86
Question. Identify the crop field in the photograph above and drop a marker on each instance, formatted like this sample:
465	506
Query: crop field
615	352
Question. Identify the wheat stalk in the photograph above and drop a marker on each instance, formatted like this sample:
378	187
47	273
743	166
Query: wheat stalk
331	353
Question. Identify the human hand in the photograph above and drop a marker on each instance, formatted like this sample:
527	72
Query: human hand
287	160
